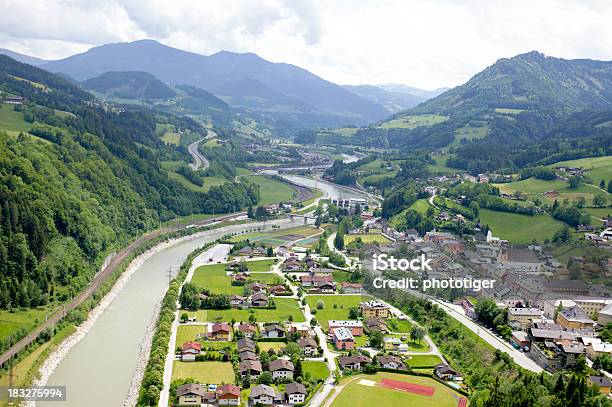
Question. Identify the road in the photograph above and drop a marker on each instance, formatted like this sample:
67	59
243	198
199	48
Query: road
330	244
199	161
213	255
519	358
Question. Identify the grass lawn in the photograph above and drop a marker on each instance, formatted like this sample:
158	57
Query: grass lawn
285	307
411	122
268	278
366	238
11	120
214	277
265	346
172	138
271	191
520	228
204	372
343	304
597	168
10	322
399	325
355	394
424	360
186	333
317	370
260	265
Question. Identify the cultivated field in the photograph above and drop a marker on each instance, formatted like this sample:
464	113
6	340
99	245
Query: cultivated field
285	308
203	372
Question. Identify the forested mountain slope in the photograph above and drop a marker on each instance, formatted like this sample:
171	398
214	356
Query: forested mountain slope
77	180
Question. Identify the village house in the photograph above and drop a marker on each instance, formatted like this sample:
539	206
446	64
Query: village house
393	344
302	329
574	318
295	393
376	323
277	289
308	345
247	330
374	309
228	395
251	368
391	362
273	331
245	344
258	288
521	261
445	372
264	395
603	383
356	327
324	287
292	264
247	355
219	331
522	318
281	369
259	300
596	347
350	288
237	300
343	338
189	351
194	394
309	281
354	362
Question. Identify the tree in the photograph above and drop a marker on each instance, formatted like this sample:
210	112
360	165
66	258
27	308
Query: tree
250	212
184	317
610	186
270	252
376	339
417	333
602	184
320	304
261	213
574	182
562	235
353	313
339	241
265	378
599	200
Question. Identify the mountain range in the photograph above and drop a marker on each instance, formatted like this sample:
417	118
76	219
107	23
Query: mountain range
246	82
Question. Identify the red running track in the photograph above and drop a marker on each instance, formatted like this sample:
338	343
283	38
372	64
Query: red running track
408	387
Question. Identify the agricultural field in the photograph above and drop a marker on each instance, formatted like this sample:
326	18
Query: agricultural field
278	237
266	346
512	226
412	122
470	133
597	168
186	333
285	308
342	303
391	389
272	191
12	121
203	372
10	322
440	165
367	238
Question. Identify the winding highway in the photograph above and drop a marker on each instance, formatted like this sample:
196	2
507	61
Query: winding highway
199	161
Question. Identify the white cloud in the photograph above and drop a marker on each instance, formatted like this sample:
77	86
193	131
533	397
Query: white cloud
423	43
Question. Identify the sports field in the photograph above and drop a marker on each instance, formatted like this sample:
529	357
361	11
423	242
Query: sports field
389	389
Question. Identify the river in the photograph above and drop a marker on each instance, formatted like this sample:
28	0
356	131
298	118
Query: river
98	370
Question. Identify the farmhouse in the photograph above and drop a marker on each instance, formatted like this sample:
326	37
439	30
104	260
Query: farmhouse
259	300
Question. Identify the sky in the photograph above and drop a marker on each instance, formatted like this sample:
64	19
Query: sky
427	44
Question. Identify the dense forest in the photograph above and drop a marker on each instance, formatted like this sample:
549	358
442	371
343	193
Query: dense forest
84	180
